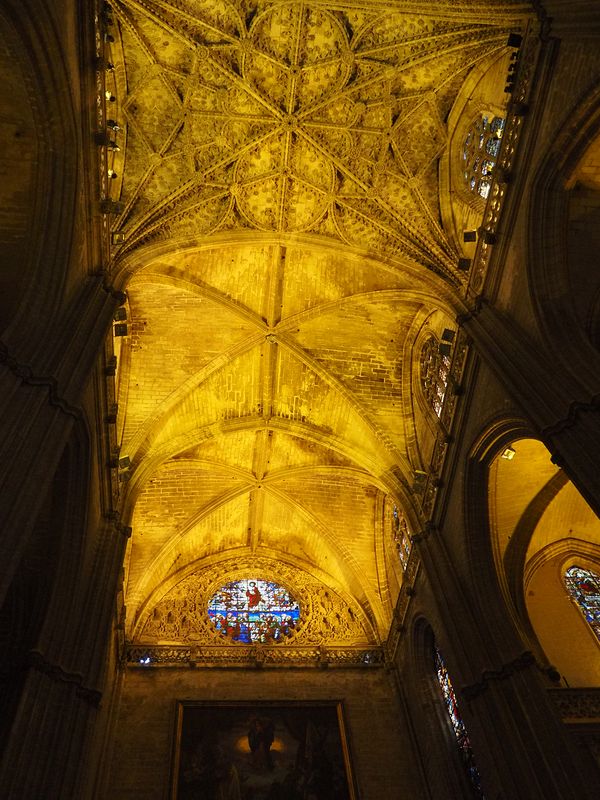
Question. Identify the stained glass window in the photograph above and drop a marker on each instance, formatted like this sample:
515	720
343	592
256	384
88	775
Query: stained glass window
458	726
435	370
254	610
401	536
480	151
584	587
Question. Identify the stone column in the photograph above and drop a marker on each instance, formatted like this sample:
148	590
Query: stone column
38	408
46	755
520	744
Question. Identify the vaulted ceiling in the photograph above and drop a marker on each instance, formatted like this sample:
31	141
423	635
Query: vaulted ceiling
281	244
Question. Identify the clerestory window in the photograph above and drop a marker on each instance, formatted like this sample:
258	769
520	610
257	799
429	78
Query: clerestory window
401	536
435	371
480	153
458	726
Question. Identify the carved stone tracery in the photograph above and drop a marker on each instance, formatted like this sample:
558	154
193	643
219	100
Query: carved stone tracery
181	614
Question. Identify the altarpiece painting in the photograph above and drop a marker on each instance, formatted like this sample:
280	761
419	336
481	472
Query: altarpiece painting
261	751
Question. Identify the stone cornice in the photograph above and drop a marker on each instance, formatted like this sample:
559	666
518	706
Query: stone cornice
56	673
27	376
258	656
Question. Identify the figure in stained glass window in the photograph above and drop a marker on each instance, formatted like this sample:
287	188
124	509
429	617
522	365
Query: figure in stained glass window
253	611
480	152
458	726
583	586
435	371
401	536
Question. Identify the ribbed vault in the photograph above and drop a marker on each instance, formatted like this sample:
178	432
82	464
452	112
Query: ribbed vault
282	251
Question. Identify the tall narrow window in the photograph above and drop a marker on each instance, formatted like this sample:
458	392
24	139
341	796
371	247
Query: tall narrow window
480	152
401	536
458	726
583	586
435	370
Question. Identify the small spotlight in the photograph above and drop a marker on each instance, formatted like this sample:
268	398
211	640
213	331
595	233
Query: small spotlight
508	454
114	126
112	174
145	660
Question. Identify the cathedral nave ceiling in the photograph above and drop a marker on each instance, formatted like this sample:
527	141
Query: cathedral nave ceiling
282	241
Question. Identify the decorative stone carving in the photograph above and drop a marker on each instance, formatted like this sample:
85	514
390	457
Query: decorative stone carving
293	117
579	704
206	656
326	618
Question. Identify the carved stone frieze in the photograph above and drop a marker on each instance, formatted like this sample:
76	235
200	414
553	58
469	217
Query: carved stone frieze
181	615
267	656
579	704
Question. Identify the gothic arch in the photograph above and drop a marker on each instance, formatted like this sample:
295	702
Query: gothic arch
567	640
495	593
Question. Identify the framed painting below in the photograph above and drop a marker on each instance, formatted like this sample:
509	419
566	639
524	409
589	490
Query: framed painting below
261	751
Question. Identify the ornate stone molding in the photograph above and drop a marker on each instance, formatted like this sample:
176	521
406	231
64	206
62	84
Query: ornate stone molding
522	662
26	375
528	55
576	409
252	655
577	704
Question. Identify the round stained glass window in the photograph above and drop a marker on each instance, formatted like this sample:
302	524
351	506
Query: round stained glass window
254	611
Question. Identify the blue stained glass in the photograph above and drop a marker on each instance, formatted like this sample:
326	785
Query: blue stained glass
254	611
493	147
497	126
584	587
458	726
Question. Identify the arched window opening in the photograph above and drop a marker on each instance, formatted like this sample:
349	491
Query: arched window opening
583	586
254	611
401	536
458	726
480	153
435	369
